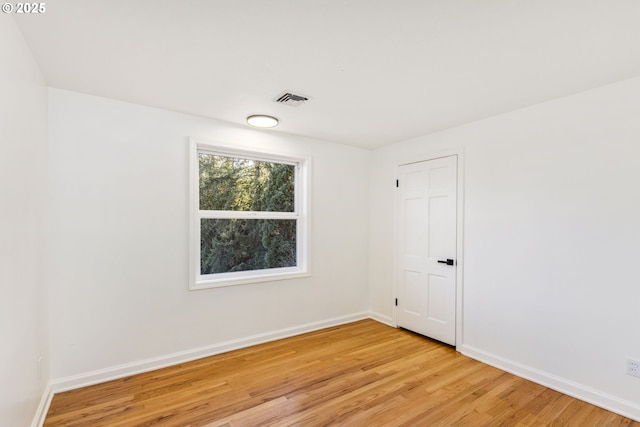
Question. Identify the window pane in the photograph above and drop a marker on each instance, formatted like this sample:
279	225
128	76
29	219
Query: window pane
236	184
228	245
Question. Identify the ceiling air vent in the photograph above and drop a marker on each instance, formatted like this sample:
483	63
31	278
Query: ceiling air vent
291	99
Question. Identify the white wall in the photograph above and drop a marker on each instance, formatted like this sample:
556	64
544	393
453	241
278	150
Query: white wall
119	238
551	239
23	190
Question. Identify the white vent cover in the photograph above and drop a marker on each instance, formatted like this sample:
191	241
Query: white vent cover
291	99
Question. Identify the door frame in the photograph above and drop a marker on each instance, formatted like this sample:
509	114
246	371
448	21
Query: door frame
423	157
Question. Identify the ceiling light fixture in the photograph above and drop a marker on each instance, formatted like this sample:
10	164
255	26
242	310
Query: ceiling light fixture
262	121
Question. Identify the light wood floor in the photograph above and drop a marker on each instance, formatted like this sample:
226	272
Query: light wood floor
360	374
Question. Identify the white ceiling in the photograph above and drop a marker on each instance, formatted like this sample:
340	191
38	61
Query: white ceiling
378	71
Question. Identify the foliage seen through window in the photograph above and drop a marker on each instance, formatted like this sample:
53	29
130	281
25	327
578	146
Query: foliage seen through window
246	185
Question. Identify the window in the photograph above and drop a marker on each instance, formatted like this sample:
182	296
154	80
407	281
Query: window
249	216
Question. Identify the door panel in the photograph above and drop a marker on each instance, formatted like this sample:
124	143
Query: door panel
415	306
427	233
414	228
437	298
437	235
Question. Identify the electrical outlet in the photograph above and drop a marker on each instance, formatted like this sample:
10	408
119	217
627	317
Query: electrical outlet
633	368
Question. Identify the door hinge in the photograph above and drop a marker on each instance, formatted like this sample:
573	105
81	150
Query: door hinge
397	183
396	302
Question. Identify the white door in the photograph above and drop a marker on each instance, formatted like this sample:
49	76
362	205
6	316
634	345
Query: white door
426	229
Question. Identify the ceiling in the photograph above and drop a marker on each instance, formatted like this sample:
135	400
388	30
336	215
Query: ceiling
376	71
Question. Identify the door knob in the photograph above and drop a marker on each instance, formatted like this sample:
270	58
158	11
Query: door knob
448	261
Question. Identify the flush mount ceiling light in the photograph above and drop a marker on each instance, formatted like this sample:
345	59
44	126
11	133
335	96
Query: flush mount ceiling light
262	121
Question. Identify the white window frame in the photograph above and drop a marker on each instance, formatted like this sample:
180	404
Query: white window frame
300	214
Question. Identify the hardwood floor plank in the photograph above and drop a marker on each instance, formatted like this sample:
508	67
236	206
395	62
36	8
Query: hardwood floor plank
360	374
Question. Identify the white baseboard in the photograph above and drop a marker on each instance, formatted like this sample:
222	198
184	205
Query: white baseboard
121	371
43	407
595	397
382	319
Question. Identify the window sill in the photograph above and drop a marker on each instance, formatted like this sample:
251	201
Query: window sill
233	279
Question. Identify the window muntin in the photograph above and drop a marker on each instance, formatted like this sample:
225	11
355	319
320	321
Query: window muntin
249	217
